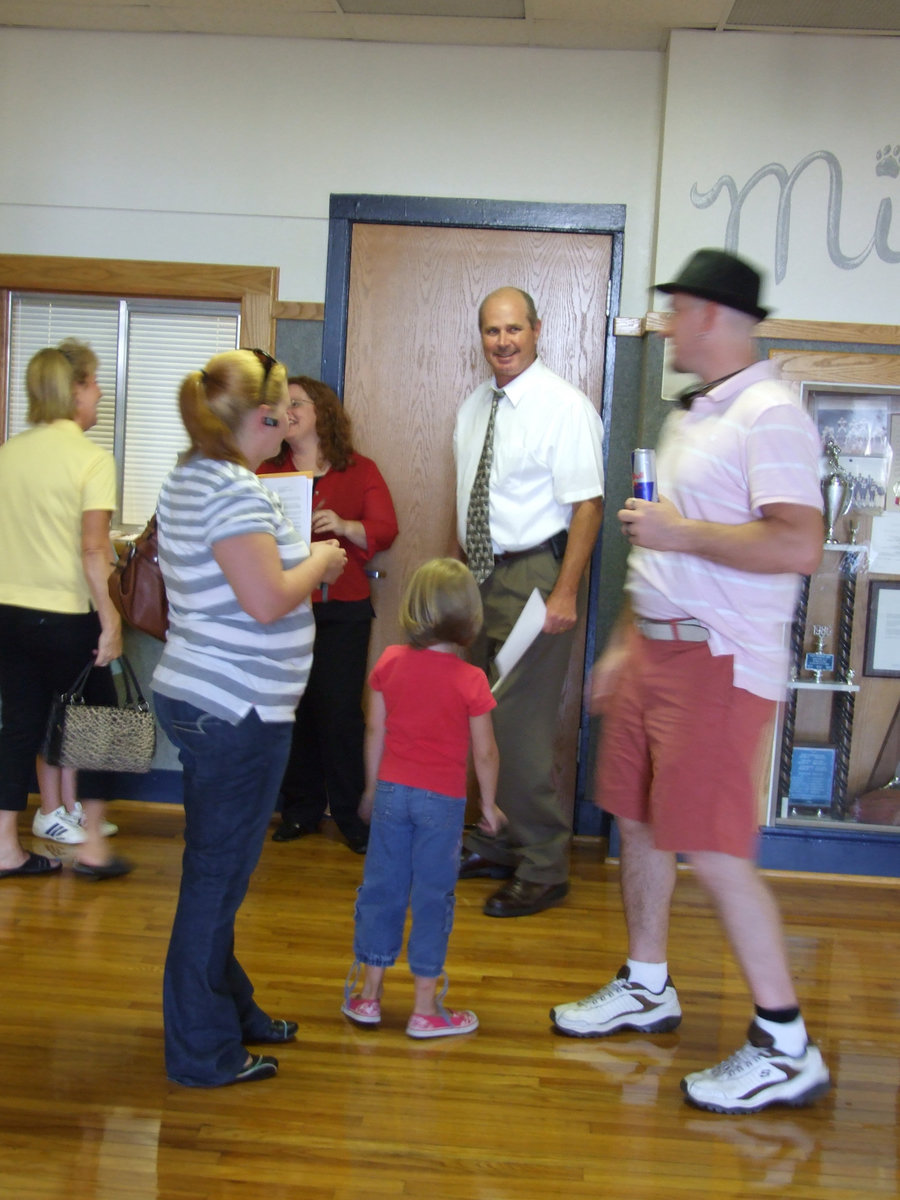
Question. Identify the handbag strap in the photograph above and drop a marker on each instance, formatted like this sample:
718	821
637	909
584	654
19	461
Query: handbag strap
134	697
76	691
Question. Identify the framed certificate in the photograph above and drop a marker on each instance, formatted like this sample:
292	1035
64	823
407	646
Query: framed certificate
883	629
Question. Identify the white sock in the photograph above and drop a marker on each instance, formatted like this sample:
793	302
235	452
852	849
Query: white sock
652	976
789	1038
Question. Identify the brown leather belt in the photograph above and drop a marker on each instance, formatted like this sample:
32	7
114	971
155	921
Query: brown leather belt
672	631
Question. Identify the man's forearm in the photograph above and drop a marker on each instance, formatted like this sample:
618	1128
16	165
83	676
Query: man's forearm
586	520
562	606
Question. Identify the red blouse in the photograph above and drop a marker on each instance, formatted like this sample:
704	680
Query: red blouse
358	493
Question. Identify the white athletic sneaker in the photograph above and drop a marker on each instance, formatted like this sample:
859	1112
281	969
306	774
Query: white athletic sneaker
619	1005
758	1075
58	826
107	828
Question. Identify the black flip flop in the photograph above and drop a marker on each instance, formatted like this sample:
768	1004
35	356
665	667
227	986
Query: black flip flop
34	864
111	870
278	1031
260	1066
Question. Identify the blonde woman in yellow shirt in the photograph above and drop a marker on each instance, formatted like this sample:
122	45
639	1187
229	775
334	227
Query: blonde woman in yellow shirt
57	495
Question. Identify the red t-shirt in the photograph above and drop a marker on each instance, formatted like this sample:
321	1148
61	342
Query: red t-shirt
429	696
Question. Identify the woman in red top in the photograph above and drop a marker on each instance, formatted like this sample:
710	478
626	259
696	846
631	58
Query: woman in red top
351	502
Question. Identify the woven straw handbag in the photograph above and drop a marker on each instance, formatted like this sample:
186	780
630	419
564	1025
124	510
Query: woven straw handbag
95	737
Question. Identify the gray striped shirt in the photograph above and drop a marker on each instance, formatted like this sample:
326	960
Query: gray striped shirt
217	657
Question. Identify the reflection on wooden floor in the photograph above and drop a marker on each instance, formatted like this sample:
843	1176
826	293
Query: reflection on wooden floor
508	1113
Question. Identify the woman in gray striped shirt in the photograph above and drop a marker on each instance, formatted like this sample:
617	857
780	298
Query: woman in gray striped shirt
238	578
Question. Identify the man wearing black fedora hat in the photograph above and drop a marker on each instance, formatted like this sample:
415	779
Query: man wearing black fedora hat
689	683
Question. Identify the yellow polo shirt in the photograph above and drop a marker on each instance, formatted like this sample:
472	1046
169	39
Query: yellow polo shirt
49	476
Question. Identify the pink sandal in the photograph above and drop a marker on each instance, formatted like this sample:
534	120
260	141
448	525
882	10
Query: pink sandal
357	1009
446	1023
362	1012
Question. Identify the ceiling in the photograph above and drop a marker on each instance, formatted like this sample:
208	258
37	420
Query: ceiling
569	24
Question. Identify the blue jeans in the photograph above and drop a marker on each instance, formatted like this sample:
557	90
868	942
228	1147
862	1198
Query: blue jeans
413	859
231	778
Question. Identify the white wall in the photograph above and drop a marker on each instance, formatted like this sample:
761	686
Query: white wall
218	149
827	111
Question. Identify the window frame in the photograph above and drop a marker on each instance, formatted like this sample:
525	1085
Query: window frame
254	288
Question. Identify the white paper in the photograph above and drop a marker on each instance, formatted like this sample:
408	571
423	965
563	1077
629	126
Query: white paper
886	653
295	491
884	544
522	634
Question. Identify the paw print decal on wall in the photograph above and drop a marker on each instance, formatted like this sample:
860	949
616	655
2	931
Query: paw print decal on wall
887	161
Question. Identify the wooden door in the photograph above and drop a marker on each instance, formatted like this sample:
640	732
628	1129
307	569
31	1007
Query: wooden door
412	355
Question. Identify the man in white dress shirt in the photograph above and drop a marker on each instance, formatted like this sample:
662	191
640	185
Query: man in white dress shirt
544	509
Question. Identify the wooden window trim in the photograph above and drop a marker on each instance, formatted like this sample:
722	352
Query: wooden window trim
780	329
254	288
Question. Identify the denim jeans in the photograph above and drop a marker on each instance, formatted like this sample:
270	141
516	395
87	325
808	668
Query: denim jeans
231	778
413	859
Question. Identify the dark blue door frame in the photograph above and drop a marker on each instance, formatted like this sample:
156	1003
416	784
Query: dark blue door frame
607	219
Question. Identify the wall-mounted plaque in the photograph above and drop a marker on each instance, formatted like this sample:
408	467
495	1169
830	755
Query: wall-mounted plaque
812	775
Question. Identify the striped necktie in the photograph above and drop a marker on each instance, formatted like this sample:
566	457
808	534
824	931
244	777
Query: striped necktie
479	549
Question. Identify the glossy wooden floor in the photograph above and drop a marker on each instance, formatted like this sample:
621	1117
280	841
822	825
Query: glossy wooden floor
508	1113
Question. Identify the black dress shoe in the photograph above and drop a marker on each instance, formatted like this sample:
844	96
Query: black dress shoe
279	1031
358	845
473	865
289	831
519	898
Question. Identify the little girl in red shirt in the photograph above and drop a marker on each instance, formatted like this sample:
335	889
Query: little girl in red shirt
427	706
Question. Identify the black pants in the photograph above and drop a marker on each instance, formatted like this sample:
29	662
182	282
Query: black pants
325	768
41	654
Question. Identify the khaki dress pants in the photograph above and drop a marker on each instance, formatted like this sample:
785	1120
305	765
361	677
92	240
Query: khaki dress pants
536	839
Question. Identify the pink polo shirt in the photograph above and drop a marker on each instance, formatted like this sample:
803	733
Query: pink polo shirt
746	444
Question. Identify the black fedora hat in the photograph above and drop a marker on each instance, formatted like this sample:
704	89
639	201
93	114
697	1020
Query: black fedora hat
722	277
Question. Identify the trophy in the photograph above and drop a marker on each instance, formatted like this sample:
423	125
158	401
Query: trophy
817	660
836	490
880	806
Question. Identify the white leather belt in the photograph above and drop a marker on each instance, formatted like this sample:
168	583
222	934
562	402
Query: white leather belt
672	631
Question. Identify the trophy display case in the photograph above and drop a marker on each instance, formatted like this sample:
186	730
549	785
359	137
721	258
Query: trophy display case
836	758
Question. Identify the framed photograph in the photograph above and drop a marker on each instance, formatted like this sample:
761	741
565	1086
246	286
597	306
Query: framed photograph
868	481
894	477
864	423
883	629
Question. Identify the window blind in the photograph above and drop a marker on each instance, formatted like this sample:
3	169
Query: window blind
39	321
145	348
162	347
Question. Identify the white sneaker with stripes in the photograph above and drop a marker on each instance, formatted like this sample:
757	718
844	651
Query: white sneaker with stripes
619	1005
758	1075
107	828
58	826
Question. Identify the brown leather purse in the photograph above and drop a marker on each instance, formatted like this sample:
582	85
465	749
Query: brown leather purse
136	585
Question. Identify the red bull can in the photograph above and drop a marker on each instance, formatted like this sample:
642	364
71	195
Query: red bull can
643	474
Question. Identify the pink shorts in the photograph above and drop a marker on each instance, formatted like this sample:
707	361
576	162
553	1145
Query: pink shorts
681	748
